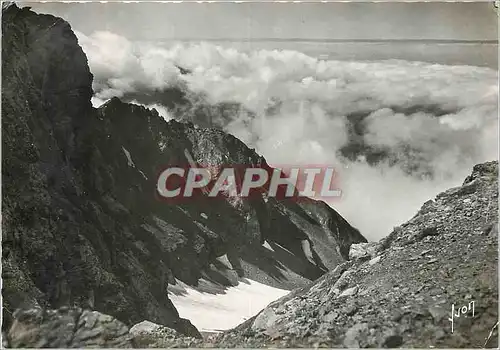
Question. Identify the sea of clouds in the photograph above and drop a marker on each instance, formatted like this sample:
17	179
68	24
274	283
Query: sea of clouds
438	120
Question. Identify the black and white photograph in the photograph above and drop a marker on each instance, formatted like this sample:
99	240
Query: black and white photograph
243	174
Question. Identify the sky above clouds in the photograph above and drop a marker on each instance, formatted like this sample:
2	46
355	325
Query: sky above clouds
397	20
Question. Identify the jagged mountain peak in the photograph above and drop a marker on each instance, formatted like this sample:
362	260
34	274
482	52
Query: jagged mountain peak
81	222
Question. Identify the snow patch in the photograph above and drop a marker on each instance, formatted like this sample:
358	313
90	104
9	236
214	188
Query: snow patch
214	312
279	245
143	175
306	248
224	260
131	163
129	158
267	246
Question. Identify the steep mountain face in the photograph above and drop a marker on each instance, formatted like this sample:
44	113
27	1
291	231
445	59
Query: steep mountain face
400	292
81	223
441	265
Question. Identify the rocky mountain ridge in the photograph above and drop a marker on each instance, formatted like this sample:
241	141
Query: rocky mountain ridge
81	225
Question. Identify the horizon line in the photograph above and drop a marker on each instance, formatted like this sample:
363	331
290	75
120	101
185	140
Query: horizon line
434	41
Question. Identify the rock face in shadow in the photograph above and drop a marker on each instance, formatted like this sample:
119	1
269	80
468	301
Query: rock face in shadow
81	223
399	292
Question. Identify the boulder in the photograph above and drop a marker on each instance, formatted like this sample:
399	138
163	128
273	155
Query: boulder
67	328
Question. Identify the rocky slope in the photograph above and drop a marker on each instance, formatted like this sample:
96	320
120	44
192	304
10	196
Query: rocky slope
81	224
399	292
395	293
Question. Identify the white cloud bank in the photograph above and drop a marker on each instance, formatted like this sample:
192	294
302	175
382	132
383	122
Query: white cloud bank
440	120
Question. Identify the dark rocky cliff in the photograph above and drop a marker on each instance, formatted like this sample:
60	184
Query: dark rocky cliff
81	225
